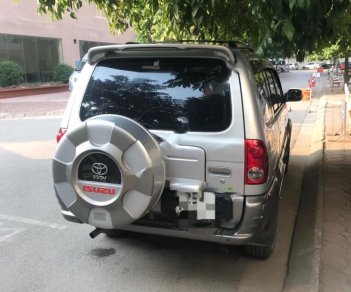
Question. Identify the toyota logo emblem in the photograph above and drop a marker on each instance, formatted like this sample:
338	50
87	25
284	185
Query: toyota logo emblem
99	168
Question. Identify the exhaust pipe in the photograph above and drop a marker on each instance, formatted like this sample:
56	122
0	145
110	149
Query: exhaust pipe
95	232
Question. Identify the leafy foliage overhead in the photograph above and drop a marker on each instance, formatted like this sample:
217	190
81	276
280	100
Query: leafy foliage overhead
292	25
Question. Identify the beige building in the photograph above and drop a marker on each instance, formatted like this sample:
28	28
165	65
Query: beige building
37	43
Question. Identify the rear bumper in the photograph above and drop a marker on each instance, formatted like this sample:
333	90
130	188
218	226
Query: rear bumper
254	227
70	217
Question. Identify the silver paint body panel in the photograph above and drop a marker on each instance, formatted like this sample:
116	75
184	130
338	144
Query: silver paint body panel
196	161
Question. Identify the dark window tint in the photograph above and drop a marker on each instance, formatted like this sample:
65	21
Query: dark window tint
3	50
37	56
31	59
275	96
163	94
84	46
263	94
15	49
263	90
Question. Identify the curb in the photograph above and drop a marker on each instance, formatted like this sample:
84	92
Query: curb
304	258
29	91
8	116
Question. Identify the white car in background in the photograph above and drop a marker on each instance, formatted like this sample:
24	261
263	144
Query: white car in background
312	65
294	66
74	76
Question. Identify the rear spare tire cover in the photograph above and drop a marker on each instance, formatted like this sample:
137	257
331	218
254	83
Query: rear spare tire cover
109	171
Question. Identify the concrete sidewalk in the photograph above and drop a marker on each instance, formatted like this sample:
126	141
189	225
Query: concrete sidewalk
335	262
320	258
35	105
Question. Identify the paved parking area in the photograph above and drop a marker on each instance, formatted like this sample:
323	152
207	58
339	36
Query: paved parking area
36	105
334	262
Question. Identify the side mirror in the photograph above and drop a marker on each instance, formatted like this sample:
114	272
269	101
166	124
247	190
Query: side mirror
276	98
293	95
181	125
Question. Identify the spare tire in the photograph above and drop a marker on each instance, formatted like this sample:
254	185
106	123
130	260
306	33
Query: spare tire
109	171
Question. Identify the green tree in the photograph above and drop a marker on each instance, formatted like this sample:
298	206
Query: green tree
342	25
295	26
339	45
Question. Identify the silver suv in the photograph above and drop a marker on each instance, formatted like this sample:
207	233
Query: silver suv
180	140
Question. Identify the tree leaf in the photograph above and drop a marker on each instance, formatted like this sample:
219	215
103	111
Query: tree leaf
292	4
288	29
195	10
293	25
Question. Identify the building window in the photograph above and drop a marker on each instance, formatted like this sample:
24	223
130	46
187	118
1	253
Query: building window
36	55
84	46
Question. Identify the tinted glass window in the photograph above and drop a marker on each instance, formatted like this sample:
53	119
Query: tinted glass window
3	50
31	59
164	94
263	94
262	89
84	46
275	96
15	49
37	56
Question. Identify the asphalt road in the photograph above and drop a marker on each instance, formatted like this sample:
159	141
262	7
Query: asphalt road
40	251
295	79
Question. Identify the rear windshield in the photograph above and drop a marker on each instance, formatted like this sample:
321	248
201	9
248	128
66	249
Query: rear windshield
162	94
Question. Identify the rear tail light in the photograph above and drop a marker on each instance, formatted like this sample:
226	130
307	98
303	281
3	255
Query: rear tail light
60	134
256	162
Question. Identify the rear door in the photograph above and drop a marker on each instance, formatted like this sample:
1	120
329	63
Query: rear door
279	119
270	111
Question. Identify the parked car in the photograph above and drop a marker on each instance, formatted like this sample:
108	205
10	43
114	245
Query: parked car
342	65
75	74
188	141
294	66
280	65
326	65
311	65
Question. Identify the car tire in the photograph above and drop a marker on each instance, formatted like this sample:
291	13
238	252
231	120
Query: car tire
265	250
109	171
260	252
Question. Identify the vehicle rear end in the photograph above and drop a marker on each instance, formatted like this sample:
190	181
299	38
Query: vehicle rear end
156	143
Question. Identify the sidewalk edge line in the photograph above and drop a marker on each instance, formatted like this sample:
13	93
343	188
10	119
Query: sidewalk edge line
304	259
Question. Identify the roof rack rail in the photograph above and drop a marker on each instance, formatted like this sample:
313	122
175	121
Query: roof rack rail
230	44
